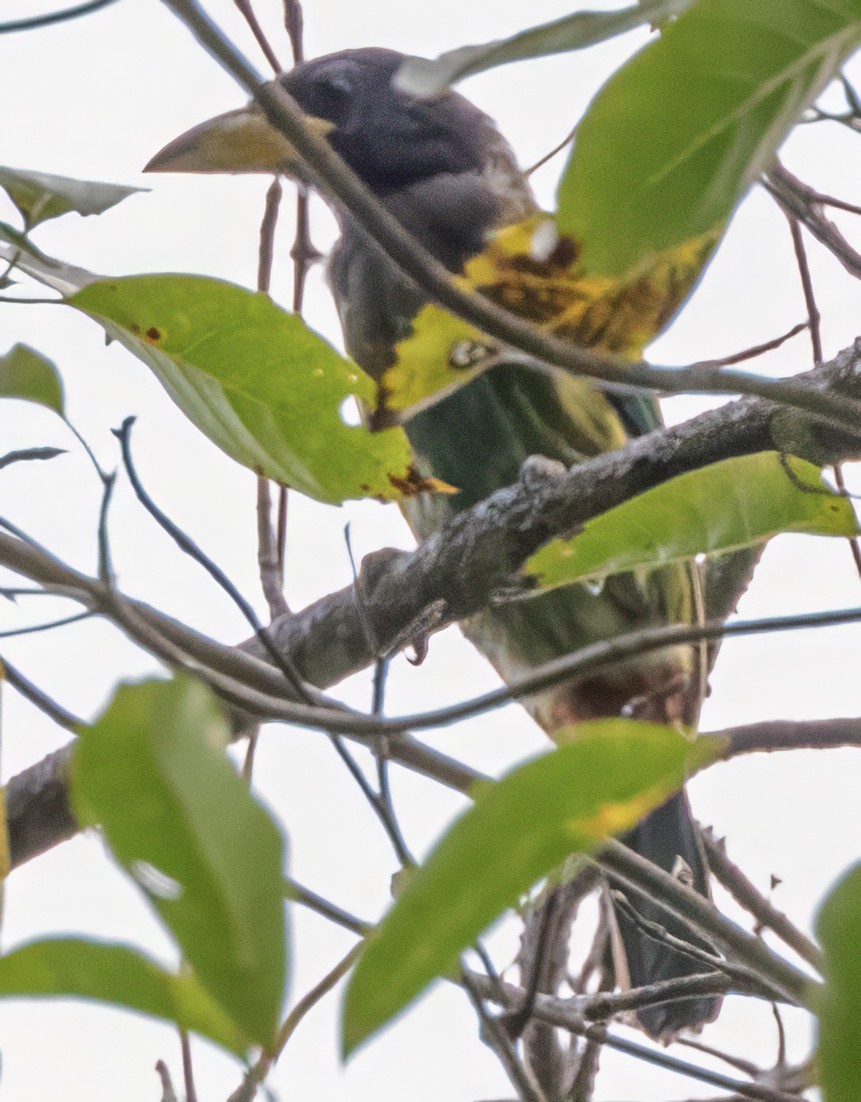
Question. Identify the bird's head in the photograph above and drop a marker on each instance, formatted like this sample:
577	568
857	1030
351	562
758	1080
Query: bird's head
388	136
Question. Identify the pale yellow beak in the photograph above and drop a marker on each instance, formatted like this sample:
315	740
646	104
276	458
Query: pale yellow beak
237	141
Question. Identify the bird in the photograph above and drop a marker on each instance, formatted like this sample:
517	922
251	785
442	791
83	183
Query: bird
443	169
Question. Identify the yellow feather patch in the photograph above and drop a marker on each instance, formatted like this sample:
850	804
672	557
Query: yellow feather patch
533	271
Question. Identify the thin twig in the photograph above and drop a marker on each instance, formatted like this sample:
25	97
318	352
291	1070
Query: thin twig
33	628
186	544
767	916
744	979
303	253
168	1094
268	225
758	349
247	13
383	799
685	904
88	451
307	1002
604	1005
268	562
39	699
498	1040
270	557
569	137
187	1067
258	1072
559	1012
797	198
293	24
813	315
298	893
106	571
36	21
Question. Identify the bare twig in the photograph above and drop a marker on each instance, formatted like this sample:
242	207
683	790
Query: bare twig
187	1067
565	1014
258	1072
766	915
382	800
606	1004
268	559
307	1002
268	225
744	979
168	1094
758	349
813	315
298	893
270	556
31	629
250	18
796	198
497	1038
551	153
771	735
186	544
40	699
36	21
685	904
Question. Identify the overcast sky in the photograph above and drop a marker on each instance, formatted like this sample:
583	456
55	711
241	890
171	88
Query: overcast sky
95	99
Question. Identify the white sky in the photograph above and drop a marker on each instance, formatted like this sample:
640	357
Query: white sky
95	99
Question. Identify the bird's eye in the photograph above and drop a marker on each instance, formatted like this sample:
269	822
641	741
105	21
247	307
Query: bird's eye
332	93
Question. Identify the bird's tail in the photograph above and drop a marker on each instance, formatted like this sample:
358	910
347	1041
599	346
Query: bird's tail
669	838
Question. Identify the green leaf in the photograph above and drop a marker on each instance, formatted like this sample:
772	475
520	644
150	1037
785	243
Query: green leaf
518	830
723	507
153	773
839	929
40	196
27	374
671	142
122	976
423	77
257	381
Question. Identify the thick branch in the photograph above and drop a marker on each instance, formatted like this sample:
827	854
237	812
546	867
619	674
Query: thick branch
479	553
459	572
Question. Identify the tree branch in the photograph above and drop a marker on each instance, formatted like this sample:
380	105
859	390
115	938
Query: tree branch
458	573
567	1014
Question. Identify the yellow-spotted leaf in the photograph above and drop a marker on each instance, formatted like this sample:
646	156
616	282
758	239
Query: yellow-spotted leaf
120	976
257	381
518	830
533	271
669	145
839	929
723	507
